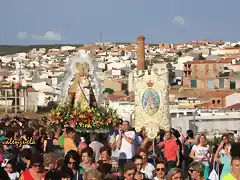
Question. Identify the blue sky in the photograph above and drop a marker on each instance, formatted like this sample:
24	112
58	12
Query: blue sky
81	21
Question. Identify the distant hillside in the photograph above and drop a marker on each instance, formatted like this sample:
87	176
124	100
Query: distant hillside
12	49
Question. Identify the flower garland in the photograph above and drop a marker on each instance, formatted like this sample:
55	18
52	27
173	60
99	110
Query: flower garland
86	119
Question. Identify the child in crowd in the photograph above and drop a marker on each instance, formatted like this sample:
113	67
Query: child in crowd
10	169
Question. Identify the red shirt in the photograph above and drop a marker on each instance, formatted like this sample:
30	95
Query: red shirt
27	175
170	149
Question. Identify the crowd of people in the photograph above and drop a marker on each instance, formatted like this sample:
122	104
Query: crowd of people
58	152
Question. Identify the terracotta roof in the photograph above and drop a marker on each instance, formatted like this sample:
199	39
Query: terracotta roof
113	68
201	93
230	47
234	106
222	94
222	60
30	89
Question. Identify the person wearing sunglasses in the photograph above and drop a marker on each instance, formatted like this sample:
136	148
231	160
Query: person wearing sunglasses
72	161
35	172
160	170
196	170
129	171
138	161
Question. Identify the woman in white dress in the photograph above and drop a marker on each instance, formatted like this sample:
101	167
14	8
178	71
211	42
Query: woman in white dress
201	153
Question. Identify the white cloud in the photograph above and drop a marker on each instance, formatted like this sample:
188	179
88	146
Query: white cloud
49	36
179	20
21	35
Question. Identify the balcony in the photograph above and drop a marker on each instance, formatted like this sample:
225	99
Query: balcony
224	74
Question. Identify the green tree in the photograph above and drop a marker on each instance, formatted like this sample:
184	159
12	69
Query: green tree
108	91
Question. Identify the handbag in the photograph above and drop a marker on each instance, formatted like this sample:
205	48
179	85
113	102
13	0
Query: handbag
214	175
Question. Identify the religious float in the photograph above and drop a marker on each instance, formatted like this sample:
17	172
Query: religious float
80	108
151	91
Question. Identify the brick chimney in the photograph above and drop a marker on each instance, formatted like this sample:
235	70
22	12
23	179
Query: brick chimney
141	53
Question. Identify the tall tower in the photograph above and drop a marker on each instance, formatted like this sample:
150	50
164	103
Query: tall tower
141	53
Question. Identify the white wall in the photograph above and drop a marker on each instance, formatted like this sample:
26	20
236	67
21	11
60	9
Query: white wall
67	48
6	59
218	52
42	87
211	125
234	68
232	99
122	107
42	99
181	60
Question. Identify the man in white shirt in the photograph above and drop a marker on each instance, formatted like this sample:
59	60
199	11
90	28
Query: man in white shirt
125	142
113	141
96	146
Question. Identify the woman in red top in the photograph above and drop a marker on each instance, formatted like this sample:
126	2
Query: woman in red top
35	171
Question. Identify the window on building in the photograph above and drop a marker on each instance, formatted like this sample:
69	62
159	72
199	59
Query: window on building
218	101
193	84
213	101
232	85
221	83
185	72
211	84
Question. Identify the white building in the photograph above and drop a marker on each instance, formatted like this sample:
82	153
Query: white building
45	97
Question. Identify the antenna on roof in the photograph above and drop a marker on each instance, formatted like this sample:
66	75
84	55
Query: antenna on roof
101	37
